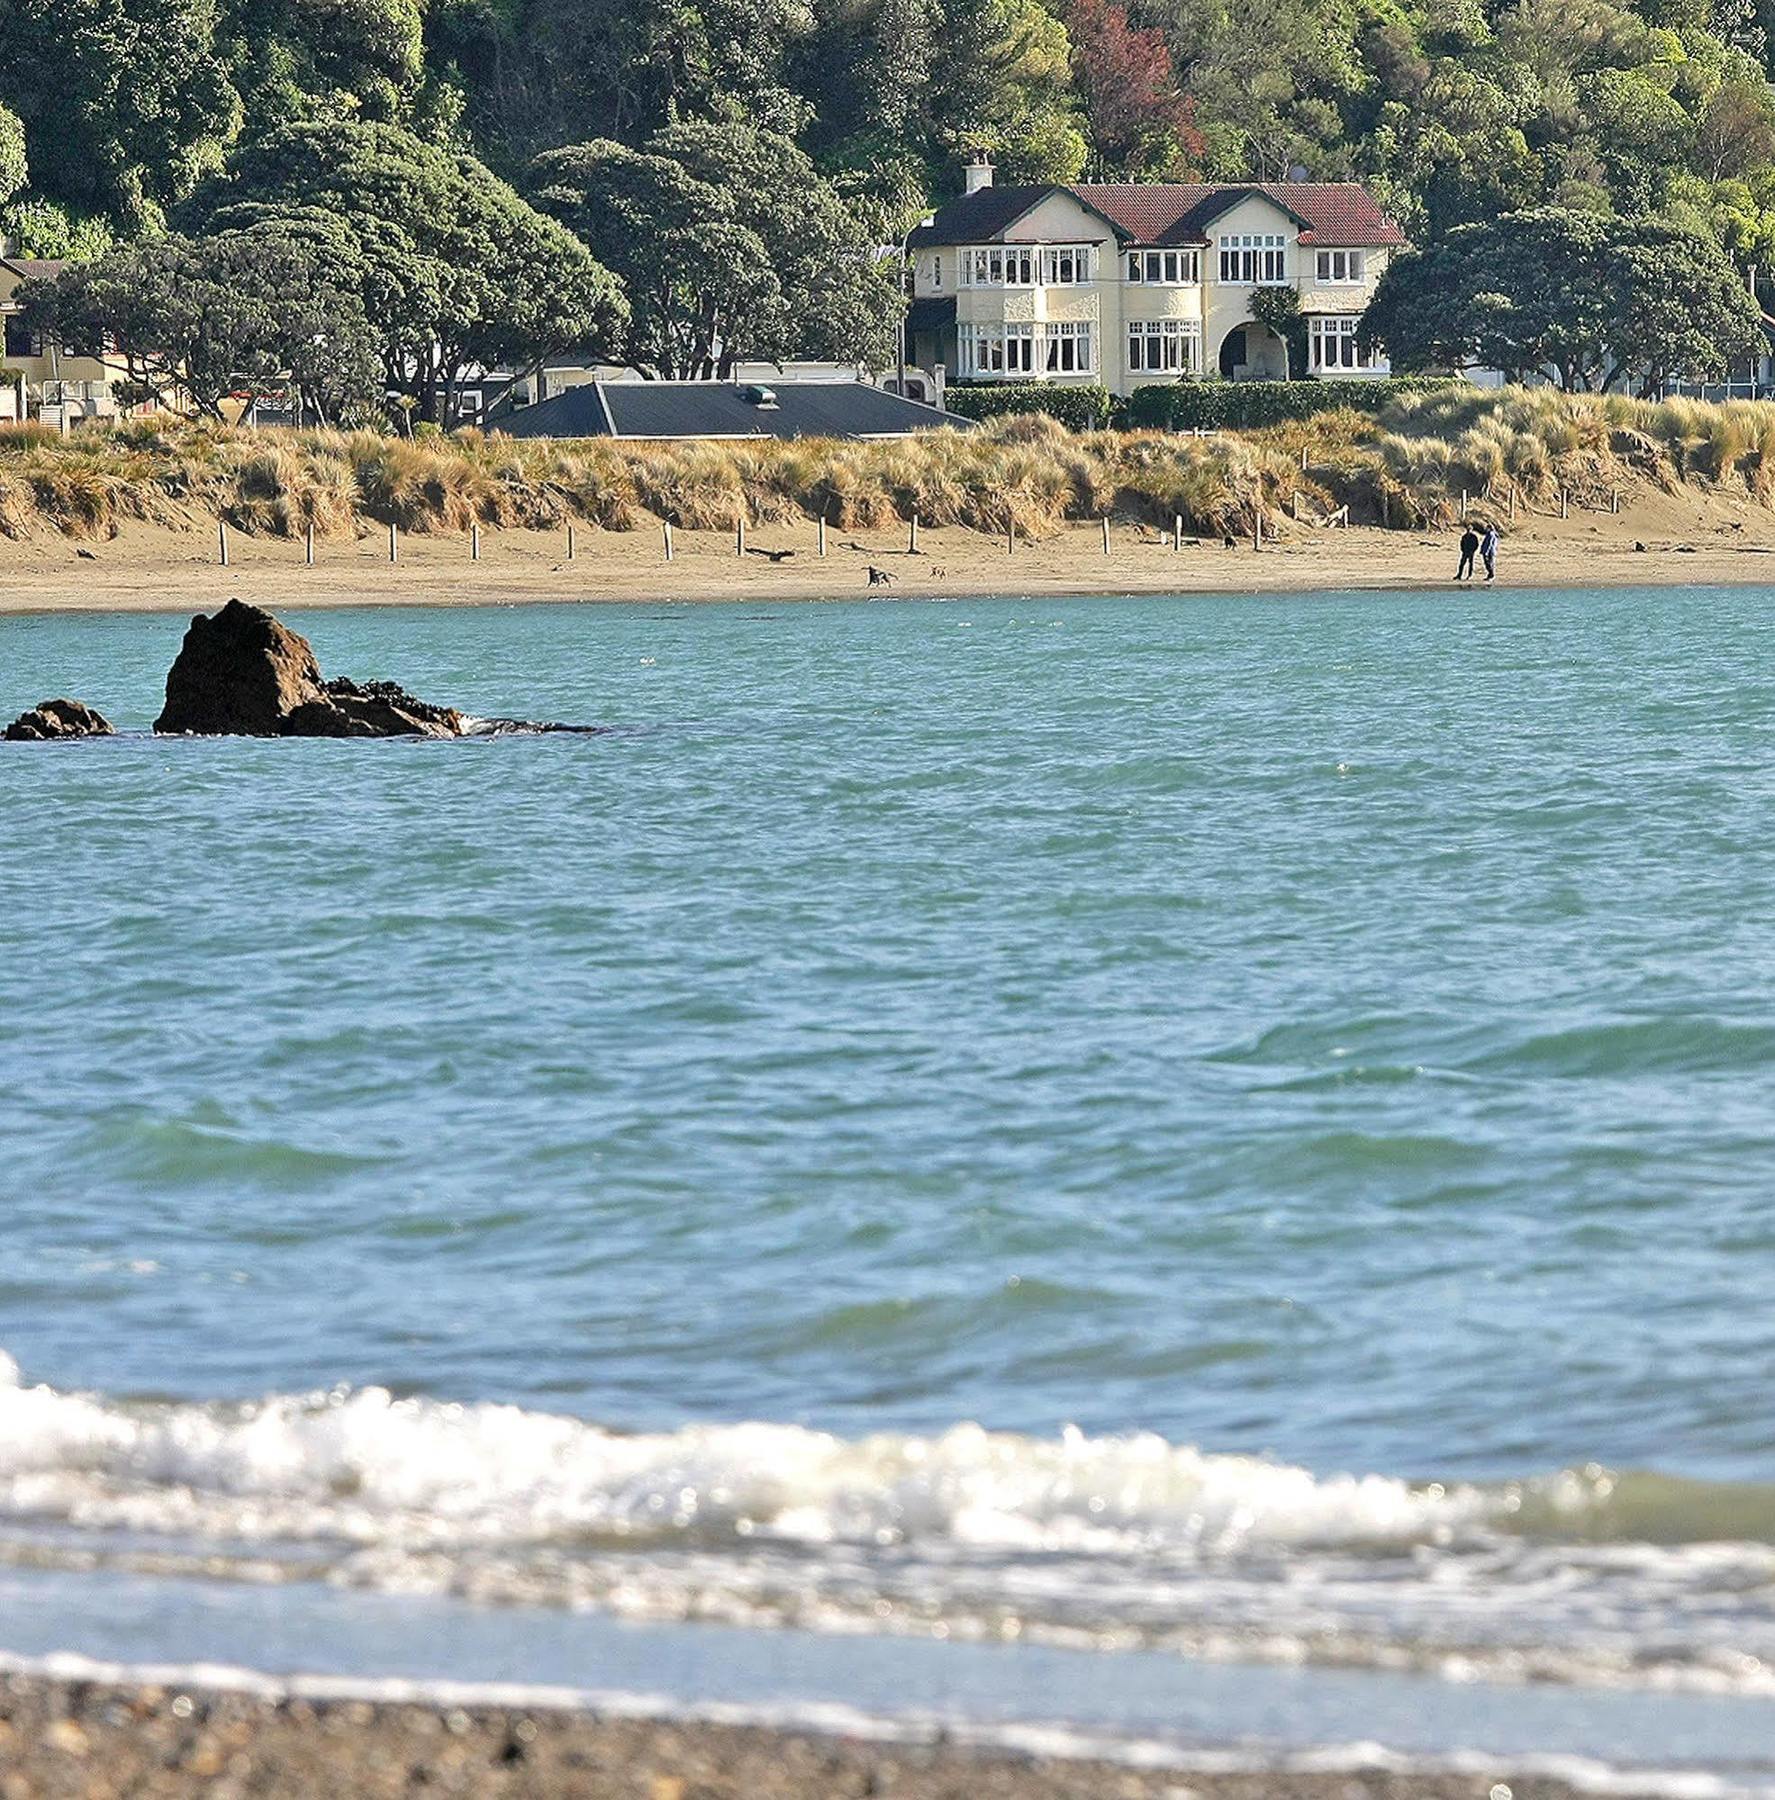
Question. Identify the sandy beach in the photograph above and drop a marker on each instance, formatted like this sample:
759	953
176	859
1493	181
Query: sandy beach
1692	537
65	1738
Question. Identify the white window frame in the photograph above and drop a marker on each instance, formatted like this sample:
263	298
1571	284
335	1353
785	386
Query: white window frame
1341	268
1165	268
1331	344
1071	347
1068	265
1253	259
1164	346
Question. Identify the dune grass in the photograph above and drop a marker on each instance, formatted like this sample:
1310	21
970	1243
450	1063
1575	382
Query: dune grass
1410	464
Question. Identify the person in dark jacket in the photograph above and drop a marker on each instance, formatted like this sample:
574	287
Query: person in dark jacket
1469	550
1488	550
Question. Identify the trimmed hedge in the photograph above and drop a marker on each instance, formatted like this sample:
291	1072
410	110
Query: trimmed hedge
1246	405
1080	408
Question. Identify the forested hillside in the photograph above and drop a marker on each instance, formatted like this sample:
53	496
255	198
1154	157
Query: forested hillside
721	156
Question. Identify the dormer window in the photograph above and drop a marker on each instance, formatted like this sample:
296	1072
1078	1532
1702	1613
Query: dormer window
1168	268
1253	260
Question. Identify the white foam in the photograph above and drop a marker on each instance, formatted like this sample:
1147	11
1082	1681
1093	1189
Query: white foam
1106	1543
368	1468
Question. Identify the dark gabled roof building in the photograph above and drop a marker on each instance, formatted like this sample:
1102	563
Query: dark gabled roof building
665	410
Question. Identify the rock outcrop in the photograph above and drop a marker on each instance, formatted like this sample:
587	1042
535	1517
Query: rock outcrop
240	673
58	719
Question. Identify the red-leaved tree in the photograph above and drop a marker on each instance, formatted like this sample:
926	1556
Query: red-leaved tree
1138	121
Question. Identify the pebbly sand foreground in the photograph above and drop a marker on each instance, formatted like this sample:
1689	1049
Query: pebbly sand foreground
1692	537
60	1739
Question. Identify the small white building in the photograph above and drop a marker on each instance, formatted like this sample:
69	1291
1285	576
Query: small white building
1126	283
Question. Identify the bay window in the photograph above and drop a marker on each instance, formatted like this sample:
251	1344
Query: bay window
1253	260
1022	349
1066	265
1164	346
1071	347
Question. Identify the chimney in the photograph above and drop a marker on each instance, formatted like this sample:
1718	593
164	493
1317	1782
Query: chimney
977	172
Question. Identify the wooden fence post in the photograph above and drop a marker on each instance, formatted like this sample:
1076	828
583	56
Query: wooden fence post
222	539
822	524
1386	510
1176	532
1106	535
739	536
308	545
474	541
1011	538
912	536
1464	498
570	545
1257	528
394	543
1564	504
666	526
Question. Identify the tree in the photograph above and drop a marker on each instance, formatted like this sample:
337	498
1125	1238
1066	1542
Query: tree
1593	302
1138	121
243	312
126	103
453	269
13	167
729	245
1279	309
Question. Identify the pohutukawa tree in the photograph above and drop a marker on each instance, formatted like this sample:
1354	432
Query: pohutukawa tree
454	270
1594	303
730	245
240	313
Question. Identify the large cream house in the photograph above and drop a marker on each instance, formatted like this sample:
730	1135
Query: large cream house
38	378
1127	283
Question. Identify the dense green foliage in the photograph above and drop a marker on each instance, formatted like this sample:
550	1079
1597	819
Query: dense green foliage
1596	301
228	314
1081	408
727	240
1456	113
733	160
1252	405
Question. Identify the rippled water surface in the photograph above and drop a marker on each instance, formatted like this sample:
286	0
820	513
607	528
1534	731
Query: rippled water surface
1338	1030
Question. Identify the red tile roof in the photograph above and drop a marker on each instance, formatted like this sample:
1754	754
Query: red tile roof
1150	212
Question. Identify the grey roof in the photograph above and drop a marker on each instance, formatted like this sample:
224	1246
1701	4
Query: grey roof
985	215
720	409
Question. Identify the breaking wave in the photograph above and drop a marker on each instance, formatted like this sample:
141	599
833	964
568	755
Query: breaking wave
1106	1542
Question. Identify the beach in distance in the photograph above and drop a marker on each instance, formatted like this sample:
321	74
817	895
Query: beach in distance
1660	539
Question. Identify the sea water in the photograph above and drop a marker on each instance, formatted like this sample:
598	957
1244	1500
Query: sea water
1182	1134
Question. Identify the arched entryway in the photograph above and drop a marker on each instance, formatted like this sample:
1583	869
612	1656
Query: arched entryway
1253	352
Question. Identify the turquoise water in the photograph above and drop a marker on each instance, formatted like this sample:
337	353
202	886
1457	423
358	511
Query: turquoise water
1336	1031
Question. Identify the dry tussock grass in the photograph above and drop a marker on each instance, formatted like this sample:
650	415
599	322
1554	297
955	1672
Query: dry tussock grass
1028	474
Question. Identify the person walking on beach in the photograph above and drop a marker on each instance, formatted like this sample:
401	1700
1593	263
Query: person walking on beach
1469	550
1488	550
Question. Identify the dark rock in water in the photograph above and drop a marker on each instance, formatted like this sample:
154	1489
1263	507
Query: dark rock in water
58	719
372	709
241	673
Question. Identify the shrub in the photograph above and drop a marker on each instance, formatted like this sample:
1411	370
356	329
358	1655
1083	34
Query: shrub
1249	405
1080	408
